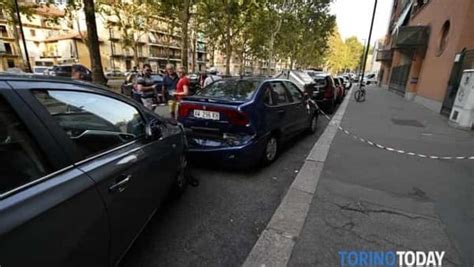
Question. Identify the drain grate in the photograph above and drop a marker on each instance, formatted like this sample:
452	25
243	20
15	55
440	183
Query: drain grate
413	123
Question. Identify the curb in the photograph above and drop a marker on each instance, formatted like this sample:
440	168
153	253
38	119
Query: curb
275	245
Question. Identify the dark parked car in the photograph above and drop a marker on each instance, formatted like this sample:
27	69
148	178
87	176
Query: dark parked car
83	170
326	92
127	85
66	69
245	121
340	91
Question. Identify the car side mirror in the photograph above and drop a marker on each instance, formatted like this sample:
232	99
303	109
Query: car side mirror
153	130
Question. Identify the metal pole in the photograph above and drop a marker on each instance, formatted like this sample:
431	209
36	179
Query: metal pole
17	9
368	45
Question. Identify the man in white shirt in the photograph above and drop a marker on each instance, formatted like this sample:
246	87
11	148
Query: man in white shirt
211	78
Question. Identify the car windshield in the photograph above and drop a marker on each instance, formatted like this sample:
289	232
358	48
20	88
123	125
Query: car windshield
233	90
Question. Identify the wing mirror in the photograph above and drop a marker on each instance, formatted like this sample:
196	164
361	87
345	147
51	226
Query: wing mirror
153	130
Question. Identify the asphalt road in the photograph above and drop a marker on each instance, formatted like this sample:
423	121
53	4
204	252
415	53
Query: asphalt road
218	222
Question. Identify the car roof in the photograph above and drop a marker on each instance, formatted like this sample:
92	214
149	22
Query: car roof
29	77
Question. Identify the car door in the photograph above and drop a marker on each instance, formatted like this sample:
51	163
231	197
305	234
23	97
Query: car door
107	136
299	111
277	108
51	213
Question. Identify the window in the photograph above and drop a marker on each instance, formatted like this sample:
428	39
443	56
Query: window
94	123
279	94
294	92
32	32
10	63
443	37
21	159
8	49
3	31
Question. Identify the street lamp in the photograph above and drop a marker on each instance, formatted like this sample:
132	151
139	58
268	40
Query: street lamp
368	45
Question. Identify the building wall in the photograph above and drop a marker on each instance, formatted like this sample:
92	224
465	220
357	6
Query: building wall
436	68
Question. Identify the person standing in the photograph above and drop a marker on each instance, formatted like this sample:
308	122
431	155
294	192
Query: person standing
211	78
182	90
202	78
145	87
170	80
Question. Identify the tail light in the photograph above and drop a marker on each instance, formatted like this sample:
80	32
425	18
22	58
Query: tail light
185	108
329	93
234	117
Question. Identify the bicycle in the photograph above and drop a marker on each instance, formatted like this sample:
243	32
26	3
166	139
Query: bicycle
359	95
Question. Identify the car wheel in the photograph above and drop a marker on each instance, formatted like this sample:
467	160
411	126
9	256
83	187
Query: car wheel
270	152
181	182
313	124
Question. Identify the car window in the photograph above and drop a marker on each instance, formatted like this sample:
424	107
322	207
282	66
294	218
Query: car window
95	123
21	160
320	81
295	93
280	95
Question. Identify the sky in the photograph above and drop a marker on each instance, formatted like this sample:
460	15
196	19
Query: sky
353	18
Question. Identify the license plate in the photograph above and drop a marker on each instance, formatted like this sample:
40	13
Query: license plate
208	115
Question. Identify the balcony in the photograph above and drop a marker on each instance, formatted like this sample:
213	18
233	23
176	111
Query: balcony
384	55
411	37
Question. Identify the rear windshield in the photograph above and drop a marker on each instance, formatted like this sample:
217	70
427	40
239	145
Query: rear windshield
234	90
320	81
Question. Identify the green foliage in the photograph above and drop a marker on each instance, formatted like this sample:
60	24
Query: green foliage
344	55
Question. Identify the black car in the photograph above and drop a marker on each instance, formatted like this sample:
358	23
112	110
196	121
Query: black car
326	92
83	170
66	69
127	85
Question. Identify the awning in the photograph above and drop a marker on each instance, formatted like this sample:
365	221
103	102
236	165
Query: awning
402	17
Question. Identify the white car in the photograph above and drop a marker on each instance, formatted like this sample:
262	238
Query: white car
39	70
370	79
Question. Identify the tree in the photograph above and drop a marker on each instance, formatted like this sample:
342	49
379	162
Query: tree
355	50
93	43
183	10
132	18
224	21
304	33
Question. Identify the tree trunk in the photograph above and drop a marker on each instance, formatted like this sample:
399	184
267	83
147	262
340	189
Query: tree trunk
93	42
135	53
228	55
185	16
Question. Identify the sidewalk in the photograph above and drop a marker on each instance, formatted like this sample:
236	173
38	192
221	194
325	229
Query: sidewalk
376	200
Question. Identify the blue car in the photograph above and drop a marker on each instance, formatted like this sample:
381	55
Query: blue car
244	121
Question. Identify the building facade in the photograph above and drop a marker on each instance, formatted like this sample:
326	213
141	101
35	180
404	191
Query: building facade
54	38
428	45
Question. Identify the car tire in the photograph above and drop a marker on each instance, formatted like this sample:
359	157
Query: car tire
313	123
271	149
180	182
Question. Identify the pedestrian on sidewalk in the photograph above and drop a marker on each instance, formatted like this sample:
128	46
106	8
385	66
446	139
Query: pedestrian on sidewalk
182	90
145	87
